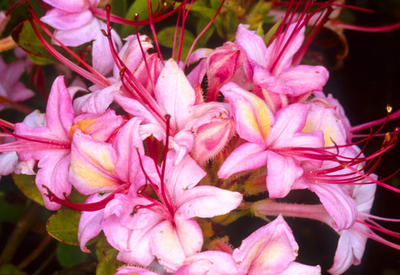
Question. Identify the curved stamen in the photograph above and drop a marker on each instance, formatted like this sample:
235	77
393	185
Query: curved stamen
88	207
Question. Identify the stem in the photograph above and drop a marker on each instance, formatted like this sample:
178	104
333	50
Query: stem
35	253
21	228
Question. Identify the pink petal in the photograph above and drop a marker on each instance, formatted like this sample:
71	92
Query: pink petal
129	270
175	94
303	79
282	173
82	35
102	57
349	252
172	244
182	176
131	53
246	157
99	127
92	165
70	5
62	20
339	205
207	202
252	44
59	112
128	144
252	117
90	223
269	250
96	102
301	269
286	132
285	53
54	175
209	262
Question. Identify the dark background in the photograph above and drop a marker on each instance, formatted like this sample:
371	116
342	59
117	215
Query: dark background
366	81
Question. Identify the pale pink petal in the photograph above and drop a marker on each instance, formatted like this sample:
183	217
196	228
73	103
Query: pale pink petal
53	174
62	20
99	127
303	79
129	270
349	252
92	165
285	56
96	102
252	117
339	205
131	53
172	244
199	54
77	37
183	176
282	173
269	250
270	82
102	57
59	112
301	269
246	157
252	44
128	145
175	94
209	262
326	120
8	162
182	143
90	223
207	202
286	132
70	5
135	108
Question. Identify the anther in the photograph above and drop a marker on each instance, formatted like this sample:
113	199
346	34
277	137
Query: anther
136	18
389	108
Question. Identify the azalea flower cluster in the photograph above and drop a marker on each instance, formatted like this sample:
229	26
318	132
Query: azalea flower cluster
162	154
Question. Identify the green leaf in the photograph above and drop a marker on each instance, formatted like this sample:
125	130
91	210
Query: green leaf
68	255
107	258
63	226
166	38
26	183
138	7
272	31
201	23
10	212
11	269
26	38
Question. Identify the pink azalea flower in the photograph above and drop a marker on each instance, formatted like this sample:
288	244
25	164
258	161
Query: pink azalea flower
270	249
192	123
271	68
11	89
275	141
165	228
75	25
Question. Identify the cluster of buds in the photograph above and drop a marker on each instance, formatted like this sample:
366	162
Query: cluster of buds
163	153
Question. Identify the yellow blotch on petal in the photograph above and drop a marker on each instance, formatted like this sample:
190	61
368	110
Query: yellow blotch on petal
258	116
83	125
92	177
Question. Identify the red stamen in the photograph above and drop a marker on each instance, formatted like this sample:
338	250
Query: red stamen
89	207
92	75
